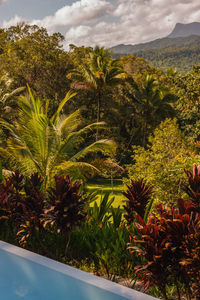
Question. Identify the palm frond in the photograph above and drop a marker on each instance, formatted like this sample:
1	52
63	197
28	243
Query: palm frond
34	102
77	169
68	124
68	96
105	146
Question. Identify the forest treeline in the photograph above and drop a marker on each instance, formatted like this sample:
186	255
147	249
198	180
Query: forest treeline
181	58
181	53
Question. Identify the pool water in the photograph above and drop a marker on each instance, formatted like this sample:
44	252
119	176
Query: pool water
25	275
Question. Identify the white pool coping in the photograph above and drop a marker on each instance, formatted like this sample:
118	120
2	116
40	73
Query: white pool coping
96	281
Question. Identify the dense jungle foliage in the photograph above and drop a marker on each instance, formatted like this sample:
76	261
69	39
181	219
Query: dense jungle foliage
69	116
181	53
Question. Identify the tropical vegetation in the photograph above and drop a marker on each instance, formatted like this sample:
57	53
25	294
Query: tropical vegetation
50	146
92	153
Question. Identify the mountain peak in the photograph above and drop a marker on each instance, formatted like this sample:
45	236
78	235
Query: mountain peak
183	30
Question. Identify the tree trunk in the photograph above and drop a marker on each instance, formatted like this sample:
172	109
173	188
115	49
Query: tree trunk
68	237
98	112
178	290
111	178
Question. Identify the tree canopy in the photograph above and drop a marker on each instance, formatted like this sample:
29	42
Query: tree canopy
51	145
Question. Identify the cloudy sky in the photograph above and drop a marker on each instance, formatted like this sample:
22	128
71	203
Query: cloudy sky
102	22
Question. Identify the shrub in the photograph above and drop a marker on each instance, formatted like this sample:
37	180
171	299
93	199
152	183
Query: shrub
11	200
33	204
162	162
103	247
170	243
100	214
138	194
102	241
66	206
25	211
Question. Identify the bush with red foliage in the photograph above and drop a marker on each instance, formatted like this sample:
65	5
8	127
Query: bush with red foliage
193	189
66	206
138	194
170	243
11	200
25	209
33	208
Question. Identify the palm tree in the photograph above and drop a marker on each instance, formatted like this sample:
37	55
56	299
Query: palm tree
51	145
151	104
96	72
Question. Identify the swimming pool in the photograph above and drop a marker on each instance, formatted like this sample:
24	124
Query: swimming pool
26	275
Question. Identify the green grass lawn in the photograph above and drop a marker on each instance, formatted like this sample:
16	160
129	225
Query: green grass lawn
104	186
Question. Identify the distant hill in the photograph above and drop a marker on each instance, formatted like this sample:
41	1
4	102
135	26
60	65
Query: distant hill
157	44
181	49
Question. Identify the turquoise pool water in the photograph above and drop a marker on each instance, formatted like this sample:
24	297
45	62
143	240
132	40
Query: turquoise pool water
24	278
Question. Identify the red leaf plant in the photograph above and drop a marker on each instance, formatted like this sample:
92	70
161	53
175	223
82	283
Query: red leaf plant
138	194
11	203
33	204
170	243
66	206
193	189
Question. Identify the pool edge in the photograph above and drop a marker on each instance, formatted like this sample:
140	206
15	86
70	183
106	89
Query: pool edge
99	282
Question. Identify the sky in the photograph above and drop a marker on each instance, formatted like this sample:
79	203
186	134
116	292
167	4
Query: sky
102	22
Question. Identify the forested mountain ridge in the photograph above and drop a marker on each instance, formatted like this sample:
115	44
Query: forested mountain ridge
181	35
189	41
181	58
181	52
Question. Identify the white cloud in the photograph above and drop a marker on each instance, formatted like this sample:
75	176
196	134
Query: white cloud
79	13
136	21
92	22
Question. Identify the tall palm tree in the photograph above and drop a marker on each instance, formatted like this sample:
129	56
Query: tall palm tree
96	72
51	145
151	103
